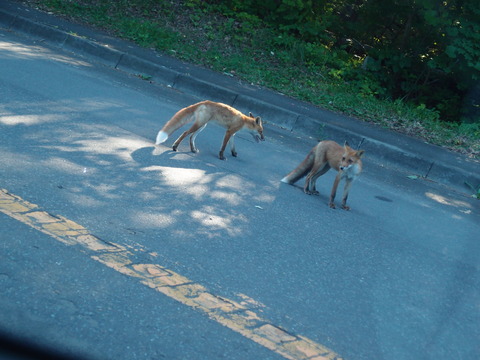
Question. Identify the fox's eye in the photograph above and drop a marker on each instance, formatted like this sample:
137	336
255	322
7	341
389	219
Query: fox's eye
350	161
343	158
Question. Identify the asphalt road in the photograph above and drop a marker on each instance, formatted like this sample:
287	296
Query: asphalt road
112	248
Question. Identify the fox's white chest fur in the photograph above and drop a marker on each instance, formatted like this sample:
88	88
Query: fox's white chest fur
351	171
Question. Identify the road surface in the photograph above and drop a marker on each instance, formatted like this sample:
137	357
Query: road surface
113	248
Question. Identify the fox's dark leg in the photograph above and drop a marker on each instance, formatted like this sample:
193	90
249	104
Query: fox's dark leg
334	190
348	184
309	187
311	180
306	187
232	145
193	148
177	142
319	173
226	139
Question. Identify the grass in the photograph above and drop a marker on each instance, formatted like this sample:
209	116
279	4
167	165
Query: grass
243	46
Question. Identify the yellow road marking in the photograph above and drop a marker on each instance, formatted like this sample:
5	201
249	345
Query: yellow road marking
227	312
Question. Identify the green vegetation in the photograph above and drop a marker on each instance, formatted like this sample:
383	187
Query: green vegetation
476	190
408	65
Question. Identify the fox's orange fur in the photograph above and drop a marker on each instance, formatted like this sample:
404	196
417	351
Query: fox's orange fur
325	155
205	111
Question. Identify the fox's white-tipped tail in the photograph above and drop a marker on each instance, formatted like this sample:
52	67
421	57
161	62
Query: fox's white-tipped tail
285	180
161	137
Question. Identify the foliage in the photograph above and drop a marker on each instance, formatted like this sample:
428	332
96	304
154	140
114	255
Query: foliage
424	51
476	190
409	65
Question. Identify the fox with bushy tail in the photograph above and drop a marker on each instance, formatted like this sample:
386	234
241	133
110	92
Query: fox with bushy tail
325	155
205	111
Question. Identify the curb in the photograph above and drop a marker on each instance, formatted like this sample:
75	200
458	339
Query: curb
400	151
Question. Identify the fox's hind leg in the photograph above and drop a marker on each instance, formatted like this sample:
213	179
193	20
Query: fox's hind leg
310	182
193	148
179	140
195	127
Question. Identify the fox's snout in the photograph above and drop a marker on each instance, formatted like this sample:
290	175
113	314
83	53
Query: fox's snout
258	137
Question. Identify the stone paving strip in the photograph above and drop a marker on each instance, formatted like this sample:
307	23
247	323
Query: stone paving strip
229	313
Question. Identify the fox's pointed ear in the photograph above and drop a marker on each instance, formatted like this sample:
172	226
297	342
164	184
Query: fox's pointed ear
258	120
251	115
345	144
360	153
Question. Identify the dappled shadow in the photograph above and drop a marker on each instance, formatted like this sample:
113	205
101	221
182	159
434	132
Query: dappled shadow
17	51
459	206
88	153
462	205
95	166
89	156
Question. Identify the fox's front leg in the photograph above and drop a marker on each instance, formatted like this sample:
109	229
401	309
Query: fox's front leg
334	190
232	146
226	139
348	184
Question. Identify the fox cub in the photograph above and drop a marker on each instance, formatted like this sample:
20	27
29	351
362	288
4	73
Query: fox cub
205	111
325	155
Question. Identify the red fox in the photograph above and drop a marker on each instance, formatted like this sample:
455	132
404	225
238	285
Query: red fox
325	155
205	111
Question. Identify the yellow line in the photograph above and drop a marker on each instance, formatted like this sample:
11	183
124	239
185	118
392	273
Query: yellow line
227	312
